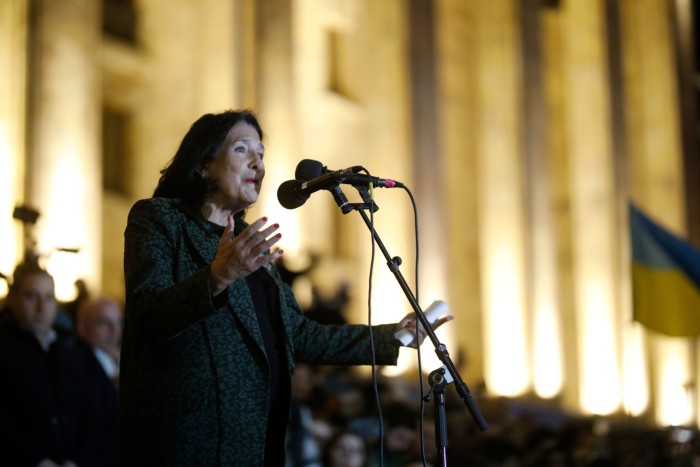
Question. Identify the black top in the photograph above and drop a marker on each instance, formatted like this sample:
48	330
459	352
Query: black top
264	296
263	292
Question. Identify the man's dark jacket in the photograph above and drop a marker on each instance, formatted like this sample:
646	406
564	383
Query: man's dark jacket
52	403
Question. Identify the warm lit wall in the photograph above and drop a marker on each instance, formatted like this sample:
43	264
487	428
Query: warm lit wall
13	31
457	132
351	108
544	297
656	176
64	169
593	200
554	147
187	63
570	311
482	111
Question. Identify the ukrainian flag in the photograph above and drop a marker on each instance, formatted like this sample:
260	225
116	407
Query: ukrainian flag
665	279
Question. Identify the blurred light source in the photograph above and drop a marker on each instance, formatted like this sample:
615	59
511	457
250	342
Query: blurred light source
675	406
8	188
548	371
65	270
508	367
600	379
3	285
635	386
67	222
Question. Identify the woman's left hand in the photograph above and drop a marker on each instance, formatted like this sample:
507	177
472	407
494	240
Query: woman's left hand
409	323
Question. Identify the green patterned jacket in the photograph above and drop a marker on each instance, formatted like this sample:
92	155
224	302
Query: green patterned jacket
194	377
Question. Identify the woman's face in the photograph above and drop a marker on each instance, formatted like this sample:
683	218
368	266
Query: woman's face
238	169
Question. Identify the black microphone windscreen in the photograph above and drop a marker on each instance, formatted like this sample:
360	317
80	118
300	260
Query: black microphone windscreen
289	196
308	169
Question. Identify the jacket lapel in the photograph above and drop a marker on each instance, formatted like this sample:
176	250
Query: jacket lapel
241	305
203	244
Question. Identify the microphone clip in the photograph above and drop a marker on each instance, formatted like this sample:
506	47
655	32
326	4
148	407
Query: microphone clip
367	198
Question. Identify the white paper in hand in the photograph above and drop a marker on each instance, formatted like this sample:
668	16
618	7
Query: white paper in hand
432	313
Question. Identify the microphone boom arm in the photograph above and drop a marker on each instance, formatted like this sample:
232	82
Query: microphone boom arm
440	348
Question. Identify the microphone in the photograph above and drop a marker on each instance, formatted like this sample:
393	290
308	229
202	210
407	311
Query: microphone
307	170
290	194
312	176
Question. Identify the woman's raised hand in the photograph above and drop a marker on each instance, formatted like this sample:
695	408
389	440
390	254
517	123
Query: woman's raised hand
238	256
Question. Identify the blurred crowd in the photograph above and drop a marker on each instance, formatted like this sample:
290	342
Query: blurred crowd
59	363
60	369
336	424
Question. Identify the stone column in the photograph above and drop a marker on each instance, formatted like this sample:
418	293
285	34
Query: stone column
544	274
456	131
351	107
593	204
500	198
64	170
13	46
479	76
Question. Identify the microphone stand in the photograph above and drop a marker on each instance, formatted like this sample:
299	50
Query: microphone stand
438	381
440	348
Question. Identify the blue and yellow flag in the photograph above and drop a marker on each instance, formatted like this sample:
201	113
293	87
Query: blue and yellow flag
665	279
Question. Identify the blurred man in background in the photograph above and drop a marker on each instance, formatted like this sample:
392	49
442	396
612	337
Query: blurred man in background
51	396
99	325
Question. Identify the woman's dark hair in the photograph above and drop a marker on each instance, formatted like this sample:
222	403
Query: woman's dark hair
181	178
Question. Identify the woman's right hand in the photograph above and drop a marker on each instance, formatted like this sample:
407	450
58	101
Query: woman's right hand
238	256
